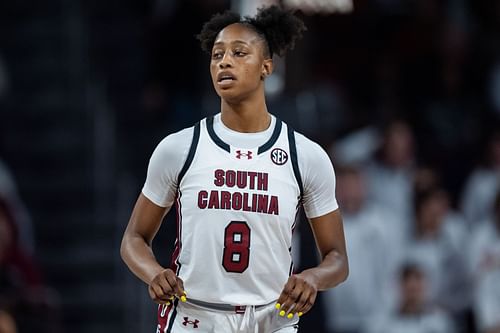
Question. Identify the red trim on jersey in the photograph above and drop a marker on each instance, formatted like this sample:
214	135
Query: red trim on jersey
163	321
174	264
294	225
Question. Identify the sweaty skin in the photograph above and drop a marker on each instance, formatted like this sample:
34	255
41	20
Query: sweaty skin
238	69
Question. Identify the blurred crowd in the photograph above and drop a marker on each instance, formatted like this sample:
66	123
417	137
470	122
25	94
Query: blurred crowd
416	263
26	303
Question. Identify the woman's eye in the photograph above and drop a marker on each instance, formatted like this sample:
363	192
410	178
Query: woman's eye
239	53
217	55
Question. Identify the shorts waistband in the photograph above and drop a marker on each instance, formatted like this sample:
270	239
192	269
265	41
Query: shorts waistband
224	307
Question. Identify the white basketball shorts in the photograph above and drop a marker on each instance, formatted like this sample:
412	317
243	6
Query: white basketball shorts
188	317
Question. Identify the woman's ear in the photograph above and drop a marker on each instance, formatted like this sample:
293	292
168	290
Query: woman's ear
267	68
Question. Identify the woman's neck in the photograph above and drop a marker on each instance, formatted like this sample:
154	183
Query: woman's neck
245	117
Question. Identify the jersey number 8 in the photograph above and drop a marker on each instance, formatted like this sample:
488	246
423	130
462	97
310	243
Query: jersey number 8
236	247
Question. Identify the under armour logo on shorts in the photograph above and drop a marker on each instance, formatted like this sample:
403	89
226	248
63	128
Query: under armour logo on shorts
190	322
248	154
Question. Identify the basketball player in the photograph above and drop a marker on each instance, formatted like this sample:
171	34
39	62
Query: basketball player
237	179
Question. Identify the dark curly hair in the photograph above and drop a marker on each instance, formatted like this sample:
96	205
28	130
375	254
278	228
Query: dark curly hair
278	28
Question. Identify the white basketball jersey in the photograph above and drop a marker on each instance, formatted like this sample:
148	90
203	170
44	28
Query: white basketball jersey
236	211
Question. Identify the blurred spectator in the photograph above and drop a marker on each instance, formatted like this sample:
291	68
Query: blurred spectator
13	258
414	314
427	178
483	184
7	324
390	175
351	303
356	147
438	247
485	268
8	192
21	289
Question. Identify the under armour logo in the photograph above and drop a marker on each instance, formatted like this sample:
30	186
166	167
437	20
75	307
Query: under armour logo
248	154
190	322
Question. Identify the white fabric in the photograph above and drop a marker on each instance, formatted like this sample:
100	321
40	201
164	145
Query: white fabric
206	229
165	165
485	268
254	320
442	258
392	189
315	166
355	300
247	140
316	169
318	177
479	194
435	322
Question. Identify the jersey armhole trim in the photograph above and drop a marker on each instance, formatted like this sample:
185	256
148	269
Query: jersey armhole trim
192	151
294	159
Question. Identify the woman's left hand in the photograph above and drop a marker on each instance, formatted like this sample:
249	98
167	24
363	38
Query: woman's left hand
298	295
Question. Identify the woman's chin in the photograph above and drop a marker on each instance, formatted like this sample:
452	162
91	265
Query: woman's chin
230	97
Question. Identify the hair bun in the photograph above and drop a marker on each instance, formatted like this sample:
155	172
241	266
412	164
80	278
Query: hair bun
212	28
280	27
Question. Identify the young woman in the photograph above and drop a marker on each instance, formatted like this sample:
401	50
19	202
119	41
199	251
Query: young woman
238	179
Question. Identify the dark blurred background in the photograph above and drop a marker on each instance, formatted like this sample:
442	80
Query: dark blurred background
404	95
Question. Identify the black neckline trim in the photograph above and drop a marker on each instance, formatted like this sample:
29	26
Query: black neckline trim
265	147
272	140
218	141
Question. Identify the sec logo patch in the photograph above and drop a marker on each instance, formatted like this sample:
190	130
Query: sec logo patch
279	156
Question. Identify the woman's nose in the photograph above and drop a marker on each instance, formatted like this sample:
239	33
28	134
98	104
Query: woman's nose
225	61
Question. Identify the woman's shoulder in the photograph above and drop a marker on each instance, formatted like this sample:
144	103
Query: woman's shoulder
307	147
174	143
185	134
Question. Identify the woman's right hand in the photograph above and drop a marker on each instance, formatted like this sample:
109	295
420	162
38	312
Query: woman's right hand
165	286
